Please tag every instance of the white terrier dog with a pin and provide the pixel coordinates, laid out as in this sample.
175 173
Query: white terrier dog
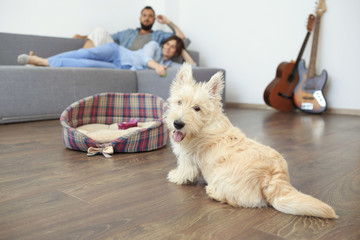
238 171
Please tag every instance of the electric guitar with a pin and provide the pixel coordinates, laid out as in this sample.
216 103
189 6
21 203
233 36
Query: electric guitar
279 92
308 95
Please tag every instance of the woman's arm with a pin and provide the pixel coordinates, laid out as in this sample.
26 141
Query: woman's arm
159 69
152 54
187 58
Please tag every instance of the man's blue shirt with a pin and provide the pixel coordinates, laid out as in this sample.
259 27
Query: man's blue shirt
126 38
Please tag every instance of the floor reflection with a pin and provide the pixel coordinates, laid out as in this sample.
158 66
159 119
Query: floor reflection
296 126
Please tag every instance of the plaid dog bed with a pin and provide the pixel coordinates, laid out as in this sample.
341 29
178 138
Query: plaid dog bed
109 108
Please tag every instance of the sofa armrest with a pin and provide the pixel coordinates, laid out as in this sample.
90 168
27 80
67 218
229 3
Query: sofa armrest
150 82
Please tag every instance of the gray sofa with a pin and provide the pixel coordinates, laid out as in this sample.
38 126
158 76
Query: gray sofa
30 93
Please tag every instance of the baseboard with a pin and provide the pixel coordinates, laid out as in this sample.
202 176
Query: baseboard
28 118
355 112
340 111
248 106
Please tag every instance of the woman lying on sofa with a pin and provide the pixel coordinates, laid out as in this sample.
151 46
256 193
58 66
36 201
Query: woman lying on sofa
114 56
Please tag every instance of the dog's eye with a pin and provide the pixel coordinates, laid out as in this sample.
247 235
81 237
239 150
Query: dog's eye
197 108
179 102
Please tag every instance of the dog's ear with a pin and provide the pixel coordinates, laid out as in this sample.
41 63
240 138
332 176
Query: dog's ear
184 75
216 84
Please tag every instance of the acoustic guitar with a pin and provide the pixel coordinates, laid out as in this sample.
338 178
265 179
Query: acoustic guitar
279 93
308 94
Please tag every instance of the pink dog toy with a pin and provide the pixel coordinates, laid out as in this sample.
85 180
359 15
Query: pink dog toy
125 125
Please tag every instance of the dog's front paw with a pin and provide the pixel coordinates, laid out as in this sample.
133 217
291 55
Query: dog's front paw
175 176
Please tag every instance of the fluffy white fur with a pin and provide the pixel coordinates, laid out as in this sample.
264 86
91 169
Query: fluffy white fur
238 170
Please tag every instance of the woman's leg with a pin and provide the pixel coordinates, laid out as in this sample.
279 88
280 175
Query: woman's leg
108 53
79 62
103 56
32 59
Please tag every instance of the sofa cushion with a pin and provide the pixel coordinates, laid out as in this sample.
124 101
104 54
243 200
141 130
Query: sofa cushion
32 93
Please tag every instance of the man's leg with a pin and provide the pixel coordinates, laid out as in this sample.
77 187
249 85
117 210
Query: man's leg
88 44
97 37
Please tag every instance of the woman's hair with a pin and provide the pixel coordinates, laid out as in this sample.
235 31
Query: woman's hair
179 44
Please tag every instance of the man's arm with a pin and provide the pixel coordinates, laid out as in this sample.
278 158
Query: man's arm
164 20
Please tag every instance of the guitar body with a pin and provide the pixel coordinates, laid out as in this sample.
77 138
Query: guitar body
308 94
282 87
279 93
269 88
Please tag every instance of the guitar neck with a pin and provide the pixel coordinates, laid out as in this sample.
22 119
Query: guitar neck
312 65
302 49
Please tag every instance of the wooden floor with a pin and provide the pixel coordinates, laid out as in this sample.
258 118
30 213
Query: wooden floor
49 192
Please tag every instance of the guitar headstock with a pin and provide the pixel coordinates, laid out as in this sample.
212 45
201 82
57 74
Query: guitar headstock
320 8
311 21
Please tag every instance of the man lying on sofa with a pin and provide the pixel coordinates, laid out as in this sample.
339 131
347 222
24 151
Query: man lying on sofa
135 39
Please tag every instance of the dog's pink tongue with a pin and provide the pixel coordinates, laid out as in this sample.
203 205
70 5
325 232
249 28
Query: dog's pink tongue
178 136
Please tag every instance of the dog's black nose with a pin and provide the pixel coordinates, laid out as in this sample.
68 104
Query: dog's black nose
178 124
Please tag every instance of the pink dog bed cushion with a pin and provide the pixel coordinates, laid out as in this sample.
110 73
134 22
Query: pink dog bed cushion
116 108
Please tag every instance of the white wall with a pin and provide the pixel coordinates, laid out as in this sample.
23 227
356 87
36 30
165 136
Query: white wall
64 18
247 38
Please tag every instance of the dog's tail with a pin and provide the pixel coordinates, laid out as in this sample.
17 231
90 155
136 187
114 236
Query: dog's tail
285 198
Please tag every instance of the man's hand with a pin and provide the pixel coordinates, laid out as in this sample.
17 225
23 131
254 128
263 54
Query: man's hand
162 19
